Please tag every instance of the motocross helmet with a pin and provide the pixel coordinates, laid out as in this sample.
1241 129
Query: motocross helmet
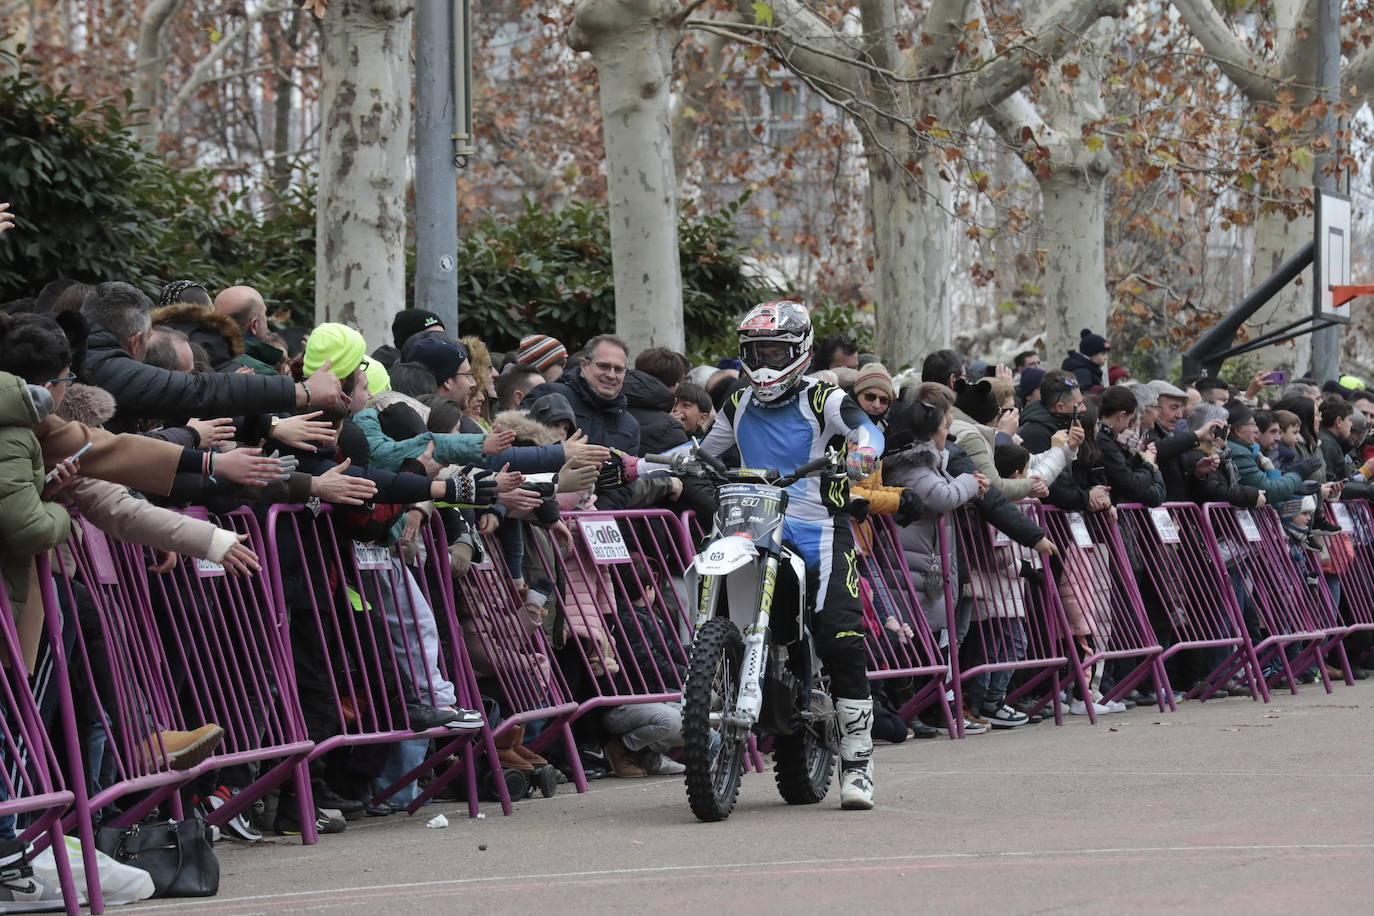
775 347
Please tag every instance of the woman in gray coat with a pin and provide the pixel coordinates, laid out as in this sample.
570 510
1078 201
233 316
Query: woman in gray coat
916 458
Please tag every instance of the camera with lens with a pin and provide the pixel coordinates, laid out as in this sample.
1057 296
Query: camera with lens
547 513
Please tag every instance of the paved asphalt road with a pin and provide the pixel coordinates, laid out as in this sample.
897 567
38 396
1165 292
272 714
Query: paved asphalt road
1227 807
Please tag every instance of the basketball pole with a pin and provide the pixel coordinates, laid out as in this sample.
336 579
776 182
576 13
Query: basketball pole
1326 342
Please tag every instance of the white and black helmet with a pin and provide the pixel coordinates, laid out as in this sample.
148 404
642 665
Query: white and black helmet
775 346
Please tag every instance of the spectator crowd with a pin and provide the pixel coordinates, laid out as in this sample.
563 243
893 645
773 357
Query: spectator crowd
125 411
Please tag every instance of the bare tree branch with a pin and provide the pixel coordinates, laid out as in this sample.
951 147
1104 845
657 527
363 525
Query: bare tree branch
1359 73
1053 34
813 46
204 68
1211 31
148 66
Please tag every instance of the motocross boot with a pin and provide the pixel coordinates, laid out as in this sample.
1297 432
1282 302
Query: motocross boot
856 753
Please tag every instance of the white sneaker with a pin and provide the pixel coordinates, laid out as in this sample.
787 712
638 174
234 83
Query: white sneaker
1114 706
1003 716
1079 708
656 764
856 788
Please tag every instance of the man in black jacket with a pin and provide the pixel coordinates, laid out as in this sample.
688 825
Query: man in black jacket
1172 443
1334 437
594 389
649 388
1061 401
119 317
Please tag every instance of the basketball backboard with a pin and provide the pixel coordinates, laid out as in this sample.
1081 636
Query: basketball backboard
1331 255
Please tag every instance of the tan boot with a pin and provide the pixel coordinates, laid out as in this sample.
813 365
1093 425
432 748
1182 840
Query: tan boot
179 750
506 753
624 762
525 753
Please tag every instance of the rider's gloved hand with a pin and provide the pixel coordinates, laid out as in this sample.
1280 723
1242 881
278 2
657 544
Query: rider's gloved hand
861 462
612 473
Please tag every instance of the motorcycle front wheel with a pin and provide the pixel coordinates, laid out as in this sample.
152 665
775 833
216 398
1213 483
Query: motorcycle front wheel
713 756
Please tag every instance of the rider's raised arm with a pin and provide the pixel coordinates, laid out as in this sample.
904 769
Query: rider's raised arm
843 414
720 438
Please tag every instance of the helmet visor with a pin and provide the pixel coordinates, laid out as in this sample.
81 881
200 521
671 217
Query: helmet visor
768 354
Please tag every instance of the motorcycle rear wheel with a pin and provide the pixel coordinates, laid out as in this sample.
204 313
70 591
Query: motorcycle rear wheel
713 774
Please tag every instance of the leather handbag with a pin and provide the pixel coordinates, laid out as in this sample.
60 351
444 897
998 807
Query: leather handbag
177 854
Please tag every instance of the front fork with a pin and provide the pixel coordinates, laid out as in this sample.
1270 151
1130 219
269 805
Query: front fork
746 713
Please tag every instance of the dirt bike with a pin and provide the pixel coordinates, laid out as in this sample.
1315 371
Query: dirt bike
753 668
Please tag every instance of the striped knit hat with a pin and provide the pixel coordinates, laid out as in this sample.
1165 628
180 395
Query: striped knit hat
540 351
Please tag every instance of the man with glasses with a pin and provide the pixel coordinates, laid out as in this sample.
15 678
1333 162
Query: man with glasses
1061 402
594 389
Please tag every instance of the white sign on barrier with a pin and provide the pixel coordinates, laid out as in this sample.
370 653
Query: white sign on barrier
1341 513
1081 535
1164 525
370 556
999 538
1248 526
604 540
206 569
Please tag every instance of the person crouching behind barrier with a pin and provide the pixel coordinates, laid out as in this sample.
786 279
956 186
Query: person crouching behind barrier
643 734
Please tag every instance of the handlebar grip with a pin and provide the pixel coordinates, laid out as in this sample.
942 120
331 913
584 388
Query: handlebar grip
659 459
812 467
713 463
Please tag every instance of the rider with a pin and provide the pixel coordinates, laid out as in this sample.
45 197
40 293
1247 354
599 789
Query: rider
784 419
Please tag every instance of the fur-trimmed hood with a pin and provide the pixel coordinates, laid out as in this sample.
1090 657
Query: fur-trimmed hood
87 405
218 334
528 431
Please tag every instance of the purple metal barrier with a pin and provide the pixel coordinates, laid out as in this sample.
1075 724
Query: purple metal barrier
1014 623
1271 596
1350 558
508 646
165 652
619 655
892 653
1097 589
365 642
1186 592
32 790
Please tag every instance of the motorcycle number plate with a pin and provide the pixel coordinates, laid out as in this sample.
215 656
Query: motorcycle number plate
724 555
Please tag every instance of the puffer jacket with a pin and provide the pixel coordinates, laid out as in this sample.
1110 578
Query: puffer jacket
606 421
544 457
28 525
1336 456
145 392
1038 427
1132 479
650 402
1248 472
924 470
1221 485
1088 373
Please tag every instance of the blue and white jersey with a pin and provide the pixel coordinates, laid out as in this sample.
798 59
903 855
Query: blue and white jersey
788 435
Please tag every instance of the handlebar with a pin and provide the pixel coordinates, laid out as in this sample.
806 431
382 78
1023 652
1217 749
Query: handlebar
681 461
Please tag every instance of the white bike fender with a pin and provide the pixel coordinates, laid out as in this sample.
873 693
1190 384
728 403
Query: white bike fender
724 556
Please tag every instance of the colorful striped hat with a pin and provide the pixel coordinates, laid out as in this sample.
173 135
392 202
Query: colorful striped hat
540 351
